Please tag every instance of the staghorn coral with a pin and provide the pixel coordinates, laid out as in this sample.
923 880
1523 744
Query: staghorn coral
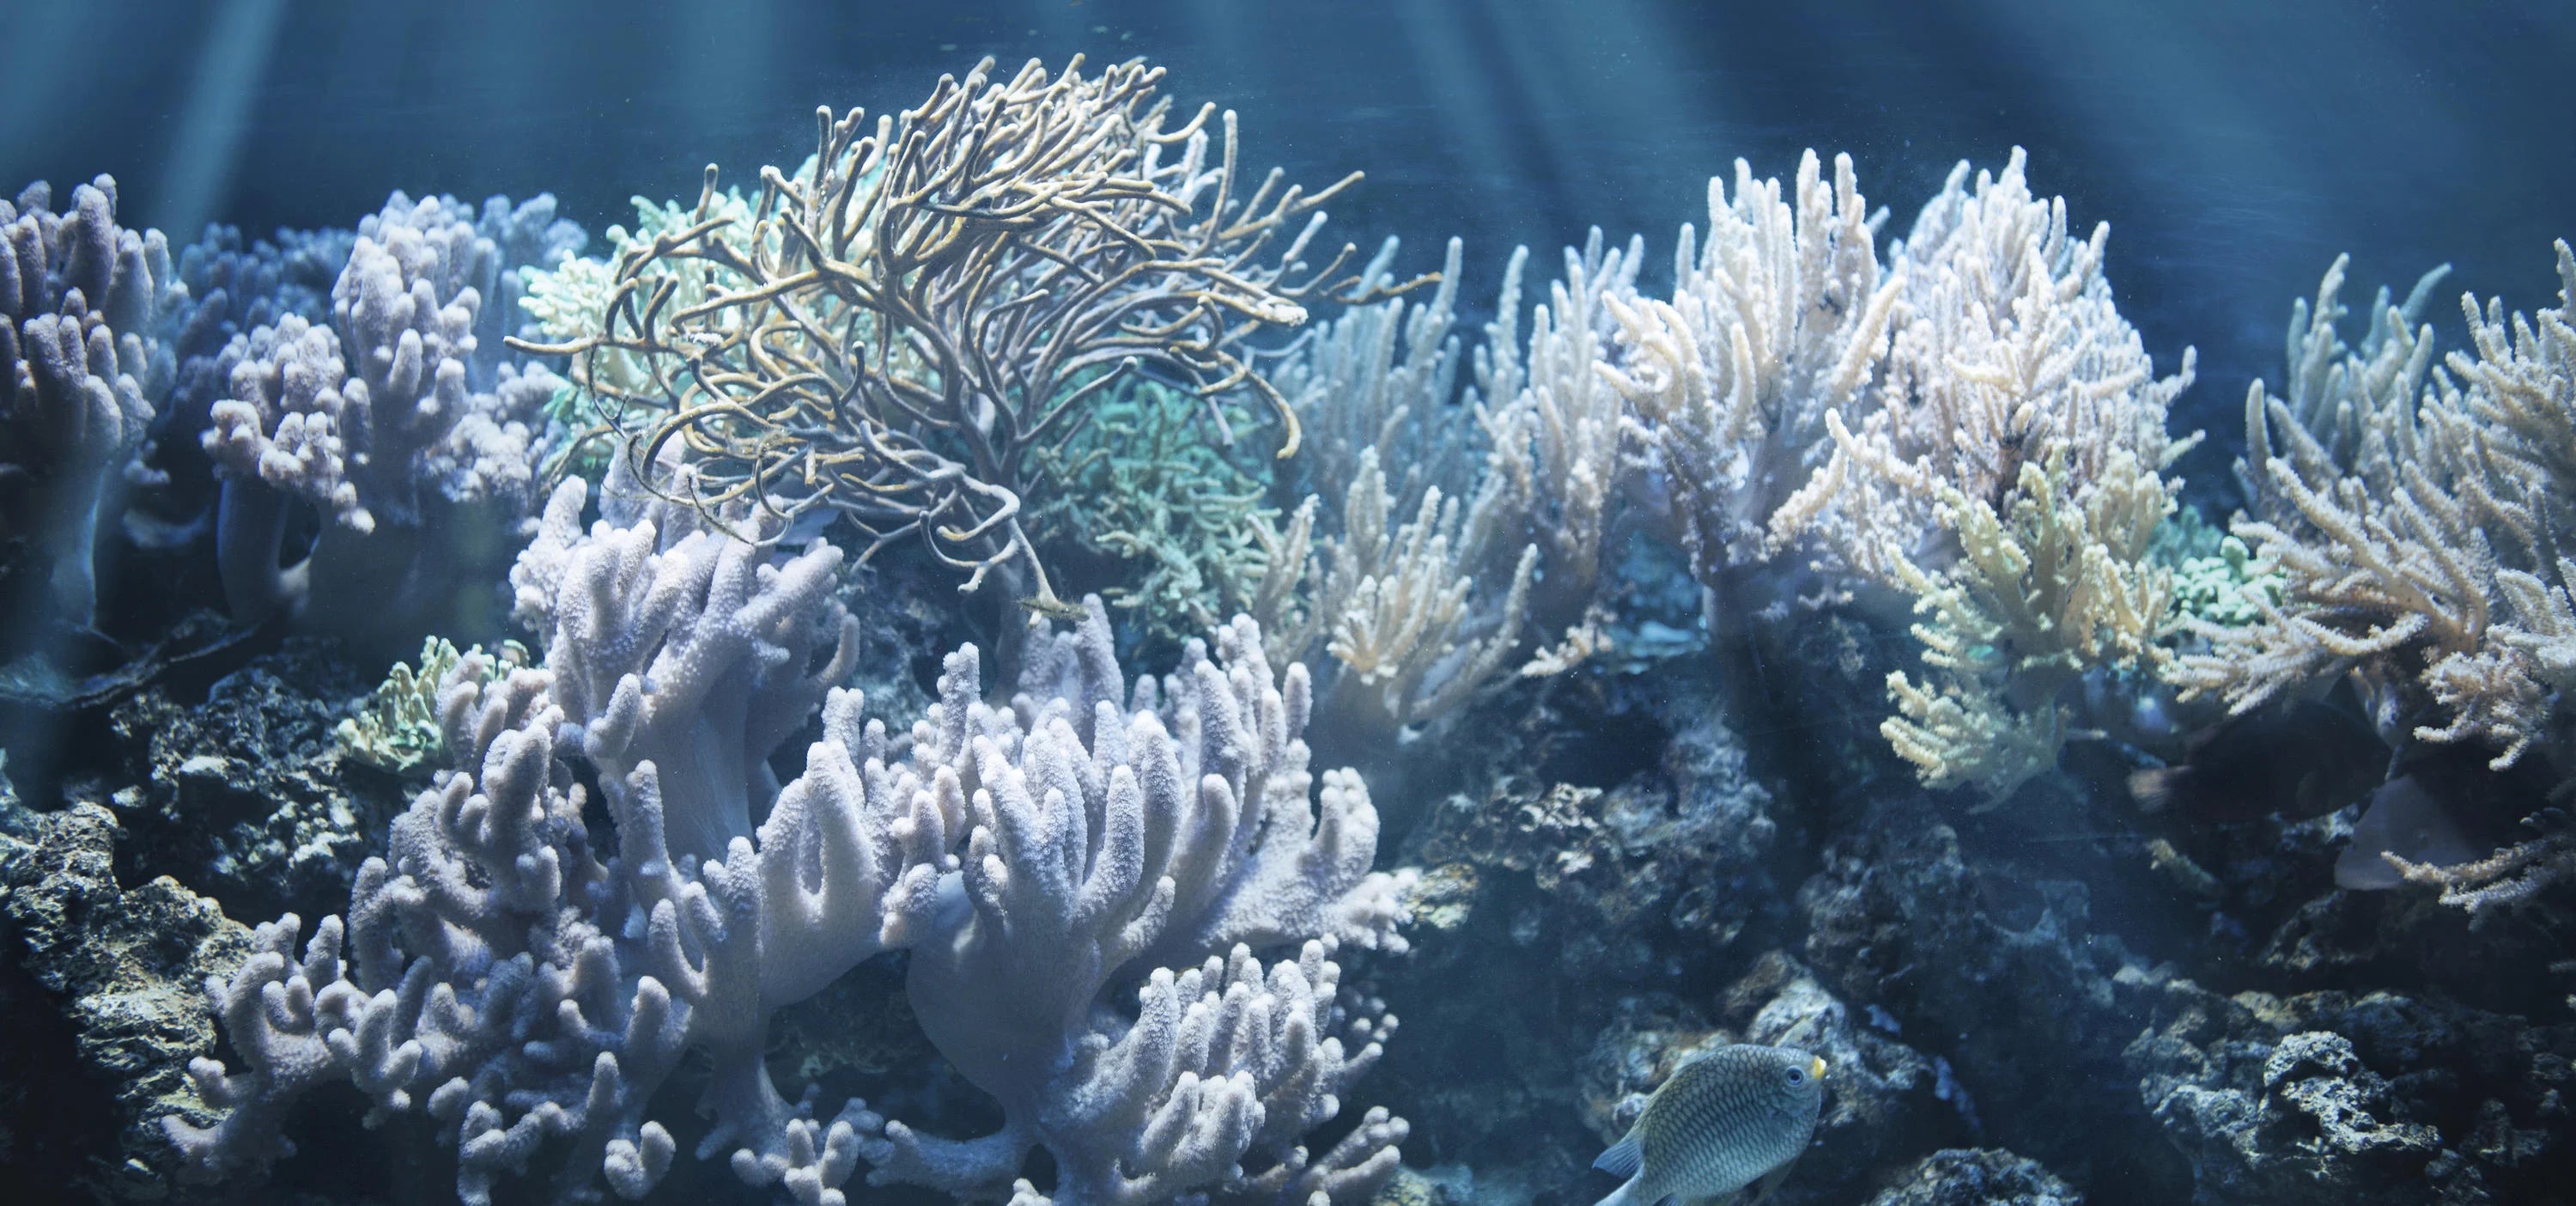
1397 607
924 305
1383 376
2006 469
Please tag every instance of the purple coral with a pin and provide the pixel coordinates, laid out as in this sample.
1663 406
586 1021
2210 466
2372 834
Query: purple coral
531 991
401 419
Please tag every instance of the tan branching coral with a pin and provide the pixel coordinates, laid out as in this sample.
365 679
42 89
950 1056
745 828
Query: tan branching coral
2005 344
1553 427
1383 377
2510 877
1779 319
931 298
1396 601
2418 527
2053 585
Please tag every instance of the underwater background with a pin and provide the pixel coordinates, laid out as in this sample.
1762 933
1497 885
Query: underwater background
986 661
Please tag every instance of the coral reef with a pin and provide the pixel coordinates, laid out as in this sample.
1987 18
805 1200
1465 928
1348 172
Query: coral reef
1623 671
927 303
401 419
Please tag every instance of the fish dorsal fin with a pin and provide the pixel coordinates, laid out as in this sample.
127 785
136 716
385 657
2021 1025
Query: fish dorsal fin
1624 1157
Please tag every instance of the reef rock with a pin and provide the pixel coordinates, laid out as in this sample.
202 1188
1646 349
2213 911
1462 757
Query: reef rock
247 796
2001 974
1979 1176
2358 1098
127 966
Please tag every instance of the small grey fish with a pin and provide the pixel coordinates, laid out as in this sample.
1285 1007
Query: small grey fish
1735 1116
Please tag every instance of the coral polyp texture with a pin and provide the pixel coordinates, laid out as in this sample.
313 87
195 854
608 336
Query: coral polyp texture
995 664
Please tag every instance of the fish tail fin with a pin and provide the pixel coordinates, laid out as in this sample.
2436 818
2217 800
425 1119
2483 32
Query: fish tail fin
2154 787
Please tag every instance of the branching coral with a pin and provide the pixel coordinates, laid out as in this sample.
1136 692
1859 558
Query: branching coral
2417 527
2007 472
397 728
2057 584
921 307
1146 485
1556 436
2005 344
1395 602
1777 321
81 300
398 419
1383 377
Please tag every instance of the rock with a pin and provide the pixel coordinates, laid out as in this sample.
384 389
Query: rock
127 967
2366 1098
2000 973
247 796
1976 1177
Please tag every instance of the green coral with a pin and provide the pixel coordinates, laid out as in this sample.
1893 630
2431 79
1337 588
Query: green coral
397 729
2230 587
1146 483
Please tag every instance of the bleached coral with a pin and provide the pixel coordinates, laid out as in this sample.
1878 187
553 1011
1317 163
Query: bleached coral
1382 377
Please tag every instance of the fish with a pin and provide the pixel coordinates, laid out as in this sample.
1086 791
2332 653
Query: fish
2405 819
2446 805
2297 760
1739 1115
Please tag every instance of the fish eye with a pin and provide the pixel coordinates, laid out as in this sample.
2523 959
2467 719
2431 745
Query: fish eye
1797 1076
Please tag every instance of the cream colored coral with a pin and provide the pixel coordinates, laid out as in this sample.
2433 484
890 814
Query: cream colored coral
1778 319
2006 342
2055 584
1556 440
1395 601
2415 526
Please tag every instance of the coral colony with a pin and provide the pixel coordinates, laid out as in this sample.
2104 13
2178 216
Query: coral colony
1038 360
